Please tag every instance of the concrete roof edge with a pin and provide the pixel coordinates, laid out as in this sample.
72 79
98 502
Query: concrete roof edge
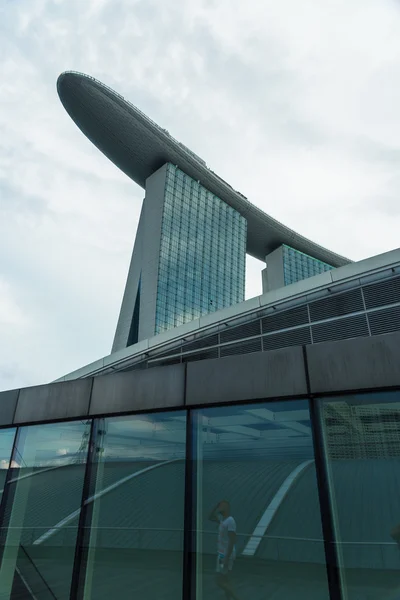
300 289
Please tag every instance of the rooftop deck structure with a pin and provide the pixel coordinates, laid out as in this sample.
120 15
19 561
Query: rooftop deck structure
139 147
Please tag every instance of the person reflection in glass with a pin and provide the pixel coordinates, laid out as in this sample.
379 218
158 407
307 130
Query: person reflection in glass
226 547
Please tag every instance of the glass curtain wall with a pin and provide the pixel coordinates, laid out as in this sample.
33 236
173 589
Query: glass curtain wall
298 266
202 253
256 529
362 447
133 542
6 443
40 510
257 516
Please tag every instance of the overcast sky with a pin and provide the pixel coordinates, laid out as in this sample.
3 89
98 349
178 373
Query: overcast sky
296 104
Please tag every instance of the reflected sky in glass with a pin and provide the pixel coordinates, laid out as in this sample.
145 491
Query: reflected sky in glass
52 444
279 429
362 444
147 437
6 442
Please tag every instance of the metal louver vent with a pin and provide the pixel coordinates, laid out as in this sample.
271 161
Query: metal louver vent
211 340
384 321
382 293
296 337
242 348
285 319
336 305
201 355
168 361
242 331
341 329
172 352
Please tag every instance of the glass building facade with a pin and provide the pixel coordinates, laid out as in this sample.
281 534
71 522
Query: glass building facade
298 266
202 253
125 506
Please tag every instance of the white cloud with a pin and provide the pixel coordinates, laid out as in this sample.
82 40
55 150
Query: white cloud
295 104
5 464
11 313
62 451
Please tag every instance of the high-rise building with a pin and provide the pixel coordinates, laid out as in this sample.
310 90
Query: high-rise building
194 230
188 259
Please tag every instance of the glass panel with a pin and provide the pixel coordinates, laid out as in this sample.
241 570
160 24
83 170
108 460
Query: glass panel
204 242
6 443
42 501
298 266
362 445
258 520
134 532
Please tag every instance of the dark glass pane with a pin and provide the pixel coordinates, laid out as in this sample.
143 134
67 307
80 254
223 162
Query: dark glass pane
6 443
362 445
258 520
134 530
42 504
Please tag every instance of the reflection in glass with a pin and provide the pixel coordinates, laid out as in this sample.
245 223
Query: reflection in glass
41 501
135 509
202 253
6 443
298 266
258 519
362 446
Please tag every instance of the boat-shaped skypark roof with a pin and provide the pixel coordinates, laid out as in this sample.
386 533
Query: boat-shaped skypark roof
139 147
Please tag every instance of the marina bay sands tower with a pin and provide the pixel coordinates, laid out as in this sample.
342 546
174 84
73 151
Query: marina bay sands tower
194 230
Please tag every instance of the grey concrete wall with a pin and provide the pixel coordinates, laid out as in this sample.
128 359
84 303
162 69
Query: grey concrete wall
344 366
252 376
130 292
8 405
355 364
272 276
43 403
139 390
144 264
